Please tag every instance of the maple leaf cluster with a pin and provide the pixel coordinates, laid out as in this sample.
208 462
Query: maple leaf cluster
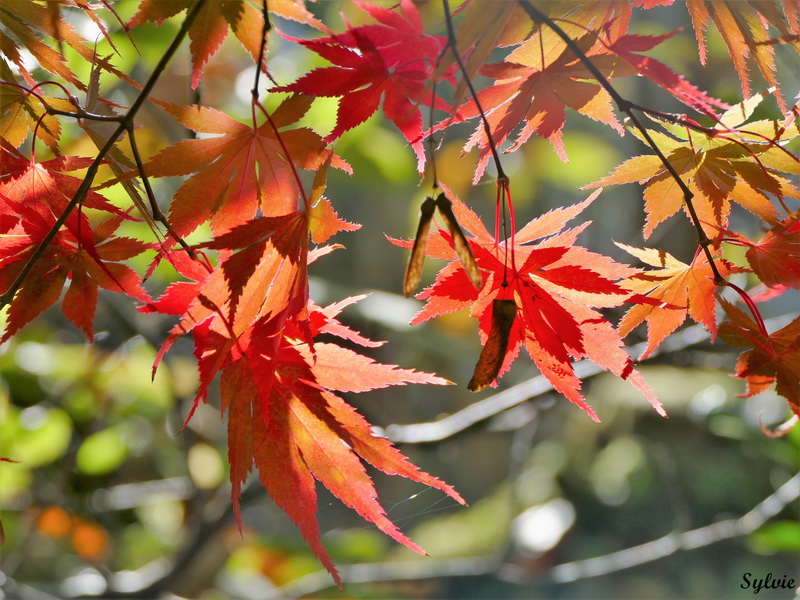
734 161
243 296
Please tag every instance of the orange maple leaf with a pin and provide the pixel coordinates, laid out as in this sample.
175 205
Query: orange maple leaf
745 28
736 162
284 419
240 171
685 290
21 111
535 88
31 23
210 27
543 76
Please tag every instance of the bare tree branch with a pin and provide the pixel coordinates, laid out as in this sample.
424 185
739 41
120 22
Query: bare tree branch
686 540
567 572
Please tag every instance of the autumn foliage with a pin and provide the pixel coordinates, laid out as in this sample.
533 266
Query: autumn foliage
243 295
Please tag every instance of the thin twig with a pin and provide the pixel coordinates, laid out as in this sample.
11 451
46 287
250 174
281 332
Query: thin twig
432 142
154 208
262 49
682 541
451 41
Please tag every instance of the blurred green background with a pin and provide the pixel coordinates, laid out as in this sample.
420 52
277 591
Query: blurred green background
109 494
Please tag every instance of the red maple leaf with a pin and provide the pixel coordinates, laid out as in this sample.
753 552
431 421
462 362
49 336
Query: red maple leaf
627 47
543 76
535 87
32 197
773 358
775 258
390 63
88 260
47 188
291 427
555 286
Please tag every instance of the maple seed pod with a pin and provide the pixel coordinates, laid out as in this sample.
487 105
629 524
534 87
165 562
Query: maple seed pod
414 268
460 242
494 352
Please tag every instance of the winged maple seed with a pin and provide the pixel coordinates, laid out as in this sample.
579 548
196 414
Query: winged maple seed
414 268
554 286
415 262
504 313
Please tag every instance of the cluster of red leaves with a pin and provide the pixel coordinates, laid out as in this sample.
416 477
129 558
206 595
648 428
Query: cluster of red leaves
541 77
391 61
555 286
253 325
32 197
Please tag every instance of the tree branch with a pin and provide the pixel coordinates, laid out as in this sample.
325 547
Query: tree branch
436 431
565 572
683 541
